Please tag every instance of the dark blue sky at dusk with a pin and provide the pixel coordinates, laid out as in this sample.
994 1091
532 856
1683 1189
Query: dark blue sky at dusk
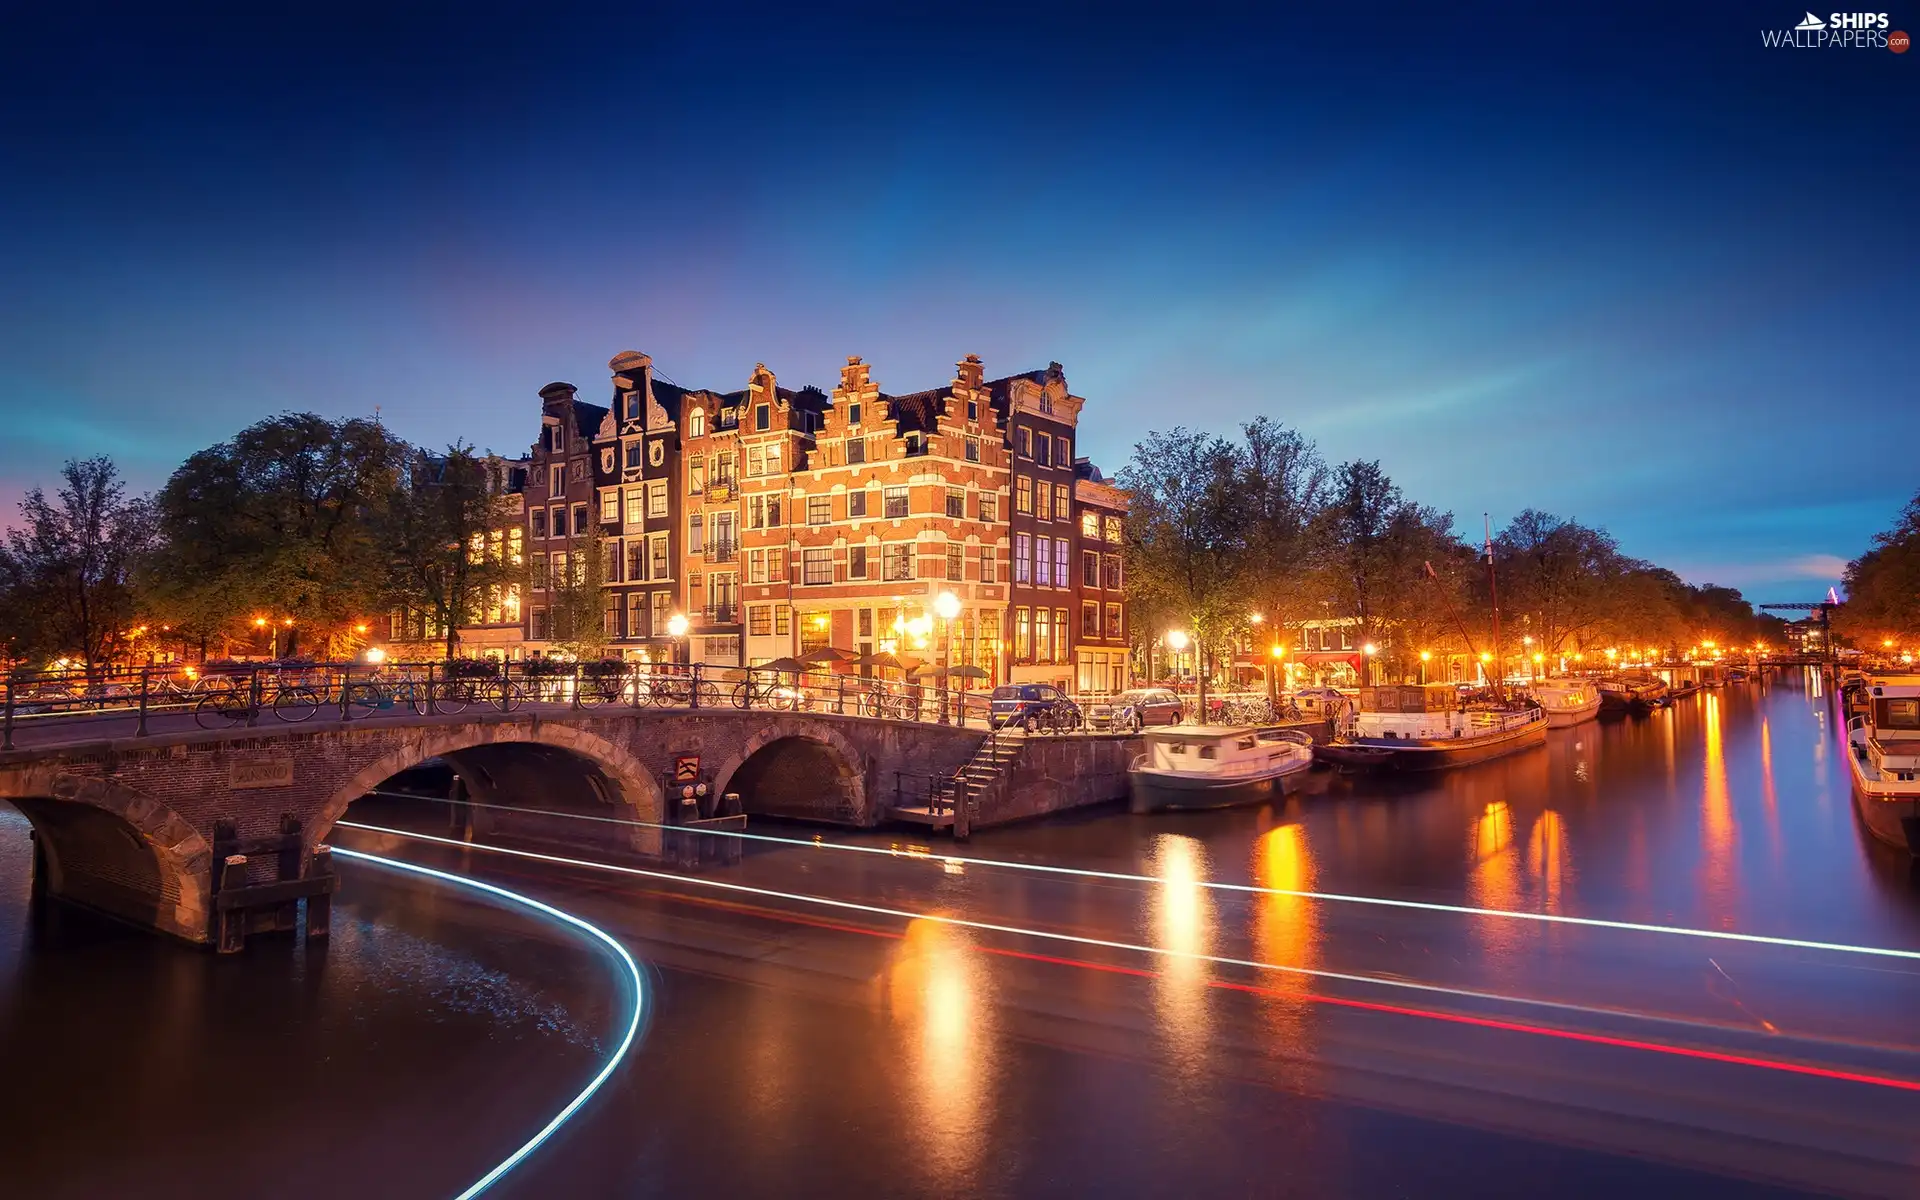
1620 262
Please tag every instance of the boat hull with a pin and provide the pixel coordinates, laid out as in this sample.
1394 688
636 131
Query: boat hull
1159 791
1566 718
1892 818
1380 755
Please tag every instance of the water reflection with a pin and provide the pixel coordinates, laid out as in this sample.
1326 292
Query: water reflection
943 1005
1493 879
1182 920
1718 882
1547 859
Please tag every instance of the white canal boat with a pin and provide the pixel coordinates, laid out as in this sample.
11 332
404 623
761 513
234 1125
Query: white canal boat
1212 766
1883 745
1425 728
1567 701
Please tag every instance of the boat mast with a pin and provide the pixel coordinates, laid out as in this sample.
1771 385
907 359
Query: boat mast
1451 611
1493 594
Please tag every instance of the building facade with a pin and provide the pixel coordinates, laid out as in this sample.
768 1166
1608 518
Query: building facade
1102 649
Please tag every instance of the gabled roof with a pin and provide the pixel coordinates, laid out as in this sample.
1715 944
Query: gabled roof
917 410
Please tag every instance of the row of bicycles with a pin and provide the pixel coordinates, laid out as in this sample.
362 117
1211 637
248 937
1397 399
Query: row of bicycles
1250 710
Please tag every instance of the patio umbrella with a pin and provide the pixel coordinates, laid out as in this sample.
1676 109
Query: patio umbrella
968 671
792 666
882 659
826 654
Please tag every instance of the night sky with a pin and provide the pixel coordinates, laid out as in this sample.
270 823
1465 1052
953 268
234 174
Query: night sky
1621 263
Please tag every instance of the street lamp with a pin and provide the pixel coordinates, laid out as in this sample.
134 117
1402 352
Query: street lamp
1426 656
947 606
1367 652
677 628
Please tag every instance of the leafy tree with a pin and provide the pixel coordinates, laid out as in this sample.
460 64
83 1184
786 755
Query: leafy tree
66 571
1557 578
577 596
443 563
283 520
1280 490
1883 585
1185 536
1372 549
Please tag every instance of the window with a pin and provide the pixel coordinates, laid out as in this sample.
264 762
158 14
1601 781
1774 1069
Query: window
782 620
610 506
723 470
760 620
657 498
816 566
1111 576
956 503
973 443
894 502
856 562
662 612
610 616
1062 503
1089 569
1022 634
537 624
560 522
539 522
697 474
1113 528
1060 560
1043 562
1043 450
762 418
856 504
610 559
637 616
516 544
853 413
973 414
898 561
636 506
1043 498
556 480
774 519
916 443
1042 637
956 561
724 540
1022 494
1062 452
1089 620
989 565
777 564
1023 442
1046 403
989 507
819 510
540 571
696 534
1023 558
756 566
633 455
1113 623
657 556
579 518
559 572
856 450
636 560
696 591
697 423
1060 647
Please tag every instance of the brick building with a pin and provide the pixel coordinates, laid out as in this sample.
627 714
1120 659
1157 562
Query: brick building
1101 650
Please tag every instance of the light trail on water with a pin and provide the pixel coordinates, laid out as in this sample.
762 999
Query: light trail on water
620 1052
1718 935
1219 960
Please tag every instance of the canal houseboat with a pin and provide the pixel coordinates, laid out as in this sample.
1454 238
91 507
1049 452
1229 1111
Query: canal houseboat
1621 693
1213 766
1883 745
1425 727
1566 701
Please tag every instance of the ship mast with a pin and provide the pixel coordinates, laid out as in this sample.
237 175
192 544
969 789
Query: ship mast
1493 594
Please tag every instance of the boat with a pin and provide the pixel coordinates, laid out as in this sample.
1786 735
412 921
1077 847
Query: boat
1883 746
1622 694
1425 727
1682 681
1566 701
1214 766
1737 675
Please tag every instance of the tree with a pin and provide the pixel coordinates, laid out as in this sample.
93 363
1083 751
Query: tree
1558 575
445 562
1883 585
577 596
1184 535
1372 547
65 572
283 521
1280 490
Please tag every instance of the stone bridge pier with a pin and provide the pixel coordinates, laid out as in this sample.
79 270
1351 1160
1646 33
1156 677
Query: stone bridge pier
143 829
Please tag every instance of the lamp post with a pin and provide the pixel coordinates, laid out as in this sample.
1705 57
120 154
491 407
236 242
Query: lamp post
1279 655
1367 652
947 605
1426 656
677 630
1533 659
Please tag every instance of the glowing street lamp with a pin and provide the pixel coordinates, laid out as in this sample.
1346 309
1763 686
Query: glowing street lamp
375 655
1177 640
677 629
1426 656
947 606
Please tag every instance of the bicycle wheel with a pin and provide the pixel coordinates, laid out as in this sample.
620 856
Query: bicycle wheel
295 704
709 694
221 710
452 696
501 694
743 695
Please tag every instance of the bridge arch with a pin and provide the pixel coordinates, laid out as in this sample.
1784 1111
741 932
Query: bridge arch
113 848
576 771
797 767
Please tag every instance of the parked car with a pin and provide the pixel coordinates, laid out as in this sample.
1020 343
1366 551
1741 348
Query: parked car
1131 710
1033 707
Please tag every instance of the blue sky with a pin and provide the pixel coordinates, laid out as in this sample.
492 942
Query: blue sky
1622 264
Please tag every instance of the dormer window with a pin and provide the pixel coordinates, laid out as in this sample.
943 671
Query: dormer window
1046 404
762 418
973 411
697 423
853 413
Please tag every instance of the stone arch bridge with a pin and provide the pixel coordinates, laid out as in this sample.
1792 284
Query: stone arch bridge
133 826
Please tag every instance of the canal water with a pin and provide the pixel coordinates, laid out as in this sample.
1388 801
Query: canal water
438 1030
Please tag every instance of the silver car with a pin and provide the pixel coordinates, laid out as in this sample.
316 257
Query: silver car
1130 711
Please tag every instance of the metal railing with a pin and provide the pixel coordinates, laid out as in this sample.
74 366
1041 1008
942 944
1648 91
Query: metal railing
249 695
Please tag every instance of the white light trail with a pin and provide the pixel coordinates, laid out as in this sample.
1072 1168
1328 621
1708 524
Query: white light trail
1718 935
620 1052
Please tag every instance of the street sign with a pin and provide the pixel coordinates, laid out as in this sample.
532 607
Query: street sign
686 768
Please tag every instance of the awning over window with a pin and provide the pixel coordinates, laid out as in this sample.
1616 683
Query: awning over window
1351 657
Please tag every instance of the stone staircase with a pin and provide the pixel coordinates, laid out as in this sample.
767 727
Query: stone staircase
988 764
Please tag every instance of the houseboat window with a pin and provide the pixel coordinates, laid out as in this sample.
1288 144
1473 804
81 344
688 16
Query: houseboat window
1901 714
1176 747
1209 752
1245 743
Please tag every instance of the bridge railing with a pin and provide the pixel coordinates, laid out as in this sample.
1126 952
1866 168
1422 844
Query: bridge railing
226 695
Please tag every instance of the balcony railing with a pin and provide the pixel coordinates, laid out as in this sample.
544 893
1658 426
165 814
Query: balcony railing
720 614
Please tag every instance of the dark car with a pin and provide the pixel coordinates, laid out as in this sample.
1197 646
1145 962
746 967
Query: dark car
1033 707
1132 710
